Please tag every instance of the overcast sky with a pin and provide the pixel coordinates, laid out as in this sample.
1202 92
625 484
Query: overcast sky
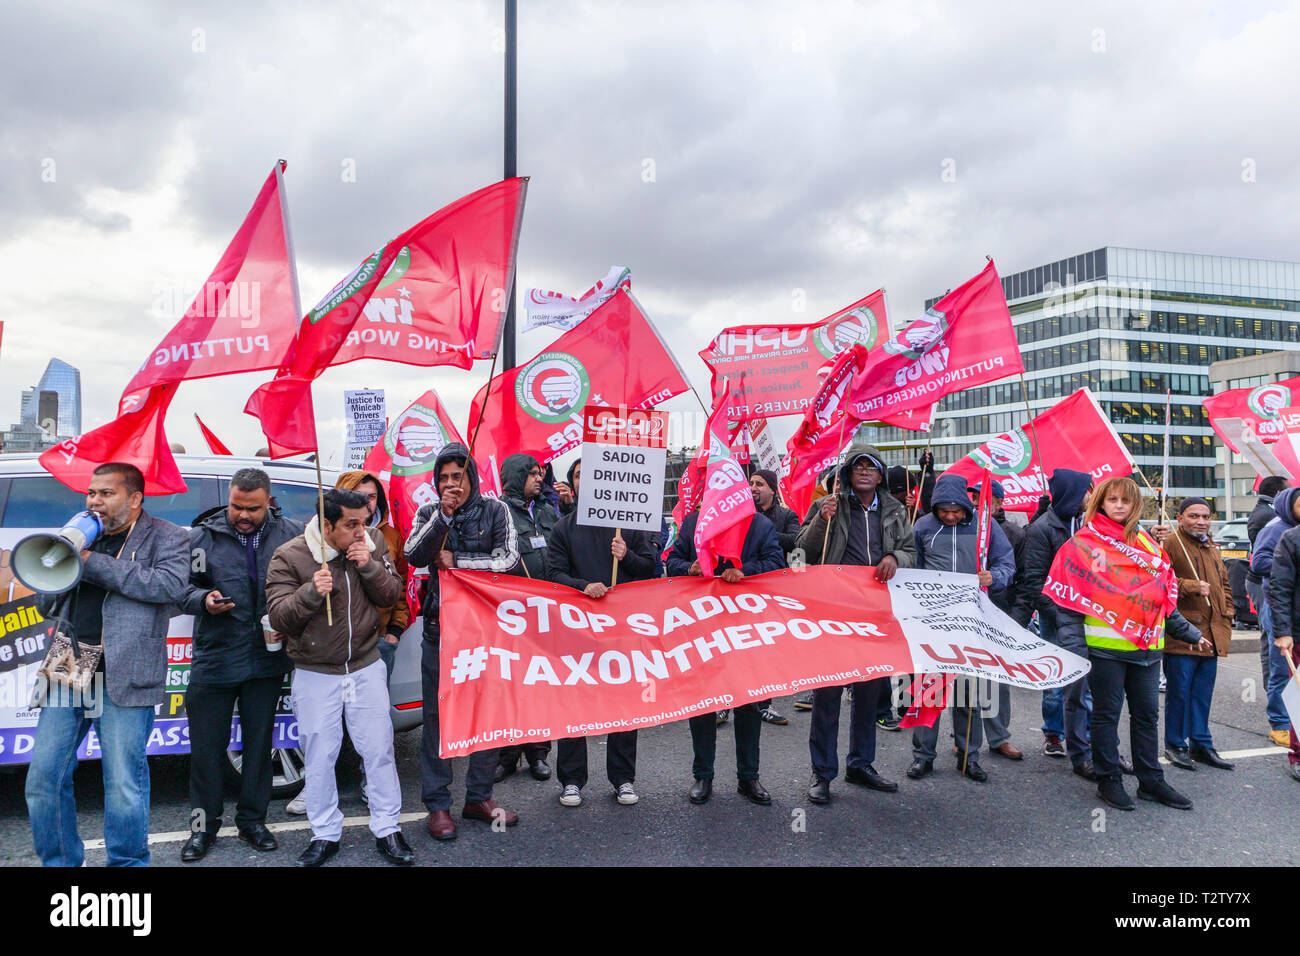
741 158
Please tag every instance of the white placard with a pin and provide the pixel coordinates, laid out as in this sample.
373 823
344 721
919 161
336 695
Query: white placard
365 413
624 453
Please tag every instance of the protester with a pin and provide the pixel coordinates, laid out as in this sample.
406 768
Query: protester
534 519
1046 534
761 552
1263 511
567 491
1121 668
903 486
1284 604
767 500
997 720
1205 599
854 525
1286 511
947 540
466 530
583 558
232 548
131 575
338 674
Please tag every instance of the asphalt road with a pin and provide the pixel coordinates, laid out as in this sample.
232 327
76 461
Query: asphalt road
1034 812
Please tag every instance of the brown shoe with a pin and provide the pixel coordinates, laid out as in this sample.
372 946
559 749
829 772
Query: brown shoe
488 811
1008 750
441 826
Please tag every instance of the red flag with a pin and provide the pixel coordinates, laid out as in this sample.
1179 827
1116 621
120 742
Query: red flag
404 457
457 256
798 475
1287 449
134 437
929 693
613 357
1257 407
984 526
963 340
214 443
727 505
246 313
1074 433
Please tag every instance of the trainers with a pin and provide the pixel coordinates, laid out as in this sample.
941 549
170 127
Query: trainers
772 717
888 722
626 795
1111 790
1163 793
723 715
803 701
297 806
1281 738
1052 746
1163 683
570 796
365 797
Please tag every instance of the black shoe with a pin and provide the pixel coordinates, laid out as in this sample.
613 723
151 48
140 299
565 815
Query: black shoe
394 849
259 837
317 852
1126 767
867 777
973 770
804 701
1179 757
540 770
197 846
920 768
771 716
504 770
723 716
753 791
701 790
888 722
1210 756
1163 793
819 790
1086 770
1111 790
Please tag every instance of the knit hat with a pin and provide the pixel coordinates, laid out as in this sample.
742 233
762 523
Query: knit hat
1188 502
997 489
769 477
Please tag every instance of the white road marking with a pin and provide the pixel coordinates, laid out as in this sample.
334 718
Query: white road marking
178 836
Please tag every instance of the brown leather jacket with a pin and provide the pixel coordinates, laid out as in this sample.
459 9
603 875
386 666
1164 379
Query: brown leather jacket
1213 620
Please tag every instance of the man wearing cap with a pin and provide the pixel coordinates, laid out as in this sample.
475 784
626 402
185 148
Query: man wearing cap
767 501
1205 599
853 525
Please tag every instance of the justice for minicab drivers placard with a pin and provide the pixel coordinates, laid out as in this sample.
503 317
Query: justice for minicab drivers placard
624 452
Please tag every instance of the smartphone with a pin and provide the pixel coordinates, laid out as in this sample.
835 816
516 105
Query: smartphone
223 601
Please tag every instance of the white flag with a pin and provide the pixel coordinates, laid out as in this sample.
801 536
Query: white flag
545 307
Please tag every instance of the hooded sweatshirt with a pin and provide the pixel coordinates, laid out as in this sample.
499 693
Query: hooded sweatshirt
533 519
396 619
479 534
1045 536
1261 561
943 548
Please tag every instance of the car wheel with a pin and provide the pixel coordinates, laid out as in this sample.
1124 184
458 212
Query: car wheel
287 768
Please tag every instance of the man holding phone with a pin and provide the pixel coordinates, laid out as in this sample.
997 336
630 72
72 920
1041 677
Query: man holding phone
230 549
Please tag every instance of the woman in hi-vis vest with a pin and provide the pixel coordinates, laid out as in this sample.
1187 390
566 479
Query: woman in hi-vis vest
1113 582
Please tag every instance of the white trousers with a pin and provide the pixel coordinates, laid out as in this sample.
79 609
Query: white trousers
321 702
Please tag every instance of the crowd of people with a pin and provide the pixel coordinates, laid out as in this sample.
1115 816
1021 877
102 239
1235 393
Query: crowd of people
334 592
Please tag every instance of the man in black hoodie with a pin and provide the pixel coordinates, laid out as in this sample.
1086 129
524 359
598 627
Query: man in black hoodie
582 557
463 530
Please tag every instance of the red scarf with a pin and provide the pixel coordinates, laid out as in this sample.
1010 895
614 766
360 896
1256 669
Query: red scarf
1099 574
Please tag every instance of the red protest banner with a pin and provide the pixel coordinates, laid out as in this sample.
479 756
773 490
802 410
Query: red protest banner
1074 433
530 660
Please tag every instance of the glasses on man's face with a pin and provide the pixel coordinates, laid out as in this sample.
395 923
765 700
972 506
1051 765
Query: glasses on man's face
862 468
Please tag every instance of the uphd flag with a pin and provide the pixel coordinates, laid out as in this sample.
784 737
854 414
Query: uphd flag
822 434
614 357
963 340
1257 407
1074 433
546 307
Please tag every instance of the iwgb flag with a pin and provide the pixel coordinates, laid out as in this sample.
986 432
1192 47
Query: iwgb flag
963 340
823 433
1258 408
727 505
546 307
1074 433
614 357
404 457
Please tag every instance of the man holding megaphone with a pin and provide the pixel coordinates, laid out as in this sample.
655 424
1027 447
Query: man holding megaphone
131 574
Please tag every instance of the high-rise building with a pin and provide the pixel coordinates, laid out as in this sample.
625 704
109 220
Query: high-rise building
61 382
1130 324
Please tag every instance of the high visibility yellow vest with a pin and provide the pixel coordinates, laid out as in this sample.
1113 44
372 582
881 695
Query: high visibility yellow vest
1097 633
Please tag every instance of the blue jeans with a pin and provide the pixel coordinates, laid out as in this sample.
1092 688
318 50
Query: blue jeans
1276 673
123 734
1188 695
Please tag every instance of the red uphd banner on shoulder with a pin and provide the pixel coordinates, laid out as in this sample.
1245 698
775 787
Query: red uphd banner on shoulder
530 660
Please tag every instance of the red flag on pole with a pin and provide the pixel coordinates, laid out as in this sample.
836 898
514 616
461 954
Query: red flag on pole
929 693
984 527
727 506
404 457
134 437
214 443
1258 407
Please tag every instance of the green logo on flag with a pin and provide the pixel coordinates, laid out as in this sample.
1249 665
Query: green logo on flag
1267 401
855 327
415 440
552 387
1008 454
346 289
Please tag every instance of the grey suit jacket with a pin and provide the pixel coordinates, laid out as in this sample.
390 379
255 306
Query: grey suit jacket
144 582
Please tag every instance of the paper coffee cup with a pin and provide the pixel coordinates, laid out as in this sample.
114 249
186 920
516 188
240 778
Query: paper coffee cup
273 642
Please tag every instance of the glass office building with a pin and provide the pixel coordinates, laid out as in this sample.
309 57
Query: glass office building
1128 324
62 378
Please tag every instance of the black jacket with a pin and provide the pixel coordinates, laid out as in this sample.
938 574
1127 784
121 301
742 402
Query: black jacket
1260 515
578 554
229 648
761 551
480 535
1043 540
1283 599
786 523
1017 535
514 475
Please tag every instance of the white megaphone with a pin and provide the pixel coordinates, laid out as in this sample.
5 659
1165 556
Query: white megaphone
51 563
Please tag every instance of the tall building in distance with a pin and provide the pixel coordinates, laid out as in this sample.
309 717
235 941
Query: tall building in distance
1129 324
61 405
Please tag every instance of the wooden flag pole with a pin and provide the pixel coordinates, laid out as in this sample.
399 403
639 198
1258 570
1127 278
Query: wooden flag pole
1035 458
483 408
920 481
1173 532
320 512
826 538
613 577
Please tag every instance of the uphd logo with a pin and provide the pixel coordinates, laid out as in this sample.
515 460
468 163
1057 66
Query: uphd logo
76 909
1267 401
